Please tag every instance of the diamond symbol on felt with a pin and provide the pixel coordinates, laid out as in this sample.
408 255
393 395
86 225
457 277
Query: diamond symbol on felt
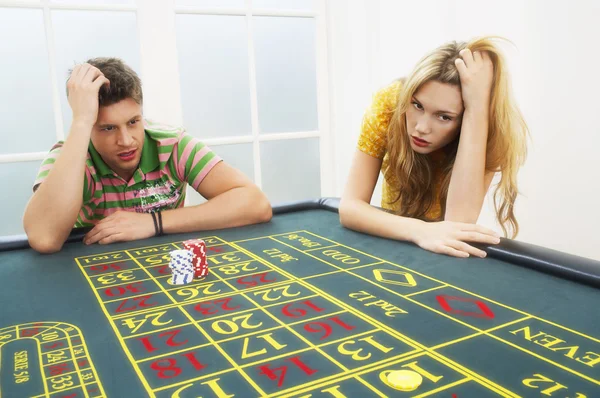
481 309
401 278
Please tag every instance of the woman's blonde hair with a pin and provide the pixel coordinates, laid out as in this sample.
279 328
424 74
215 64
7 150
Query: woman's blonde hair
506 143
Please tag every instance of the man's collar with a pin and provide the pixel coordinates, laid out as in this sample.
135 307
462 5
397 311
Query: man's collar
148 161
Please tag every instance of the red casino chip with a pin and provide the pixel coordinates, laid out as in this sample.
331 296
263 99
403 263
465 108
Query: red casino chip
200 269
198 247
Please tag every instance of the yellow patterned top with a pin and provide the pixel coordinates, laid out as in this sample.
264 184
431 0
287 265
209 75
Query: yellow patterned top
373 142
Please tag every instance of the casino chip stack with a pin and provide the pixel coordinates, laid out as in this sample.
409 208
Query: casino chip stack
198 248
404 380
182 268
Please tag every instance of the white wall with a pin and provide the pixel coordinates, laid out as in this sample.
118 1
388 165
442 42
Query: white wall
554 65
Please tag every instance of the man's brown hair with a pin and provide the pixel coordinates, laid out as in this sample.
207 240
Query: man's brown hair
124 82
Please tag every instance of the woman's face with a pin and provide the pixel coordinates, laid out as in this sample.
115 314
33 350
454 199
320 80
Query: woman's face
434 116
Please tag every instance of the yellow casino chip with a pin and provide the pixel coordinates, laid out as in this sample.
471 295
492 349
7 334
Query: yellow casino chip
404 380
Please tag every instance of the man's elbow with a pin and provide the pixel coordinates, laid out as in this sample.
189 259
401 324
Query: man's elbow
263 212
45 245
267 214
39 240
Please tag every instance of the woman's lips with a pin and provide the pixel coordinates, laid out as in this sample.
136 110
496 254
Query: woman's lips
420 142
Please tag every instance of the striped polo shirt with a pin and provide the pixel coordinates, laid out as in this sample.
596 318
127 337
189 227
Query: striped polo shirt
170 159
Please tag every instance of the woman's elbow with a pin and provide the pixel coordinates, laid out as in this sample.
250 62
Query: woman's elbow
461 218
345 212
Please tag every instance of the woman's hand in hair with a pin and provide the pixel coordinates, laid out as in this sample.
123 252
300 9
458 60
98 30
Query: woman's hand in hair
448 237
476 72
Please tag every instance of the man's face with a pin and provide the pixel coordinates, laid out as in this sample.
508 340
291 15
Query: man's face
118 136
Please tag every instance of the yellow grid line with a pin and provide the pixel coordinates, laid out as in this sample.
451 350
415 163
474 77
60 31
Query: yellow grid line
445 387
403 338
260 237
479 330
41 360
161 250
70 349
192 286
348 373
404 356
287 326
456 320
290 329
60 326
204 298
588 378
207 320
174 244
337 271
356 373
482 333
82 386
117 332
237 337
293 279
190 381
319 248
392 291
425 291
361 371
448 284
219 348
106 314
143 267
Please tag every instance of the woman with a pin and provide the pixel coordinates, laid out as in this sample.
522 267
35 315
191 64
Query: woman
438 137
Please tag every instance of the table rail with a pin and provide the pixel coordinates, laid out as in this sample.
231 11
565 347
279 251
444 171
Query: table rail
554 262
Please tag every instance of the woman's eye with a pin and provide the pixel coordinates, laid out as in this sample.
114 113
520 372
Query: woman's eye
445 118
417 105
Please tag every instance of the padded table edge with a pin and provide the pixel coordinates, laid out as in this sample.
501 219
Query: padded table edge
528 255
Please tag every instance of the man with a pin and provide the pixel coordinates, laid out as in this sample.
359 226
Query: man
132 173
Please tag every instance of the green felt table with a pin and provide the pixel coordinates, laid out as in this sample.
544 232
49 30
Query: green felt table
299 307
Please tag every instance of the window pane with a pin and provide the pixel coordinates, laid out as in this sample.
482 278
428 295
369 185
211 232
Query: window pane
239 156
80 35
291 169
19 177
212 3
213 63
285 4
95 2
286 74
26 101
